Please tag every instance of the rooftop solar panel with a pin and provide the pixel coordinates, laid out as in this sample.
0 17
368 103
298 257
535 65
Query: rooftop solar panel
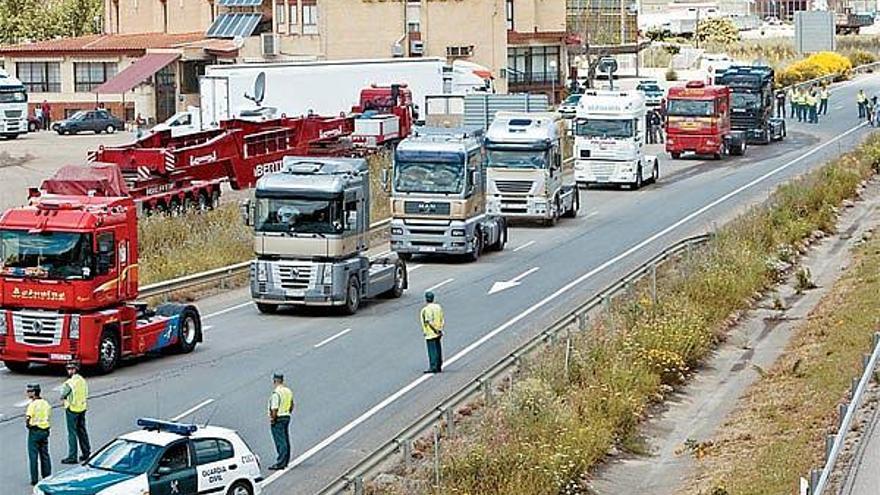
231 25
241 3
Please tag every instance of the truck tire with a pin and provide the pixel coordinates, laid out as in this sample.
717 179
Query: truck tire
550 222
502 238
17 366
108 352
190 331
267 309
400 281
655 172
188 204
635 186
215 199
203 201
352 296
675 155
575 204
478 246
405 256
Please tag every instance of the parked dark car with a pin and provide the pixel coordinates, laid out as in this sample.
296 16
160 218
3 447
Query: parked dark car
97 121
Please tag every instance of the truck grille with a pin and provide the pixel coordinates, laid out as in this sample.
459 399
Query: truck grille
602 171
513 186
743 122
426 208
38 328
294 277
13 114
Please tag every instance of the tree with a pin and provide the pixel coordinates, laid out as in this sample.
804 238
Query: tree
720 30
34 20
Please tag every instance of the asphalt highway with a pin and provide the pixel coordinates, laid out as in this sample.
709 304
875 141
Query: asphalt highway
358 380
863 475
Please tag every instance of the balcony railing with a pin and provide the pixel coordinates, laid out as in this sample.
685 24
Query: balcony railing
530 78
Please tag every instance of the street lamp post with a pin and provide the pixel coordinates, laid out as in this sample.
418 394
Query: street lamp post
553 67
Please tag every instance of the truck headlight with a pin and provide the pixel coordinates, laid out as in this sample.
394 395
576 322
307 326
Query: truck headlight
458 232
262 272
74 327
396 231
327 276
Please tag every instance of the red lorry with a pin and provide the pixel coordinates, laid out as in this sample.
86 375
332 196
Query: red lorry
69 279
165 173
698 121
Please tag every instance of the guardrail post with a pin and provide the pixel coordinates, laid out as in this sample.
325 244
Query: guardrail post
654 283
854 385
450 421
437 456
841 413
487 392
814 480
406 451
876 340
582 320
359 485
567 359
829 444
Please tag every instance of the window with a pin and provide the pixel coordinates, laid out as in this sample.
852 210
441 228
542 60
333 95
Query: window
89 75
351 208
509 12
533 65
175 457
310 16
293 17
189 79
413 16
280 9
106 240
459 51
40 77
210 450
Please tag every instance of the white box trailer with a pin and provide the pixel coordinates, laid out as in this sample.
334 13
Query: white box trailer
326 87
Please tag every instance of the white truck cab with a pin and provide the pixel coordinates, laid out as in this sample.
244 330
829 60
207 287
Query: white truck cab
529 176
13 107
610 133
181 123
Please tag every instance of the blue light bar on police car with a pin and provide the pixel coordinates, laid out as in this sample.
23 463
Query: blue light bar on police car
168 426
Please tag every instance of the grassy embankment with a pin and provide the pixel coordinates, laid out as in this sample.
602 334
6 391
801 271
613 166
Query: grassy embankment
553 426
777 433
172 247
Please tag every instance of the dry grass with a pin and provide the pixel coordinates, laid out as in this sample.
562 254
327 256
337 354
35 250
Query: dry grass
777 433
555 424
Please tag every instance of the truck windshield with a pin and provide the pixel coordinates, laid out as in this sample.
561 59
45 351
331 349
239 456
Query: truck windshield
13 96
517 159
127 457
53 255
429 177
303 216
691 108
749 101
604 128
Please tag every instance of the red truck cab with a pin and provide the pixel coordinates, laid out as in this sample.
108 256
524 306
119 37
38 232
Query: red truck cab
698 121
68 276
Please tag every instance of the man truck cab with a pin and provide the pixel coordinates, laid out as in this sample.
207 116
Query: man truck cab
610 137
438 203
529 176
13 107
698 121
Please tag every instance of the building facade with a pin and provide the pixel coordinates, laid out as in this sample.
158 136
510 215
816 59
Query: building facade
520 41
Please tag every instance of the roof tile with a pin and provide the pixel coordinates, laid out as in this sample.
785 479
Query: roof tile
106 43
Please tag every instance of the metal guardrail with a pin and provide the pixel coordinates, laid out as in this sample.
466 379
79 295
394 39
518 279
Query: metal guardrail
818 482
353 479
217 275
831 77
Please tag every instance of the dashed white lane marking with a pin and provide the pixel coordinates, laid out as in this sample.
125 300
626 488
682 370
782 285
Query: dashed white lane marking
227 310
523 246
331 338
441 284
192 409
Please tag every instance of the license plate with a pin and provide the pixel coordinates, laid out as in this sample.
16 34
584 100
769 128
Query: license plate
60 357
428 249
296 293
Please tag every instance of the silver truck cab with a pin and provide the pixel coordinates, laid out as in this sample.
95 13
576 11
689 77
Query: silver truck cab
310 237
439 196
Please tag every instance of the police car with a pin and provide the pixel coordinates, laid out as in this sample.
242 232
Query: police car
163 458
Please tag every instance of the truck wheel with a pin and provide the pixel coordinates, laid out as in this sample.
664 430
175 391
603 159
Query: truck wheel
267 309
655 172
549 222
190 330
675 155
635 186
203 201
478 246
215 199
399 281
108 352
17 366
575 204
405 256
188 204
174 207
352 297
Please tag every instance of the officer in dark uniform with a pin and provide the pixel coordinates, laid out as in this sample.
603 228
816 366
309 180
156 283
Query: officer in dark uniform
38 419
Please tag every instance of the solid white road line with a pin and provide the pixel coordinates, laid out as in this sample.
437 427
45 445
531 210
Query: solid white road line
192 409
467 350
441 284
207 327
413 268
331 339
523 246
227 310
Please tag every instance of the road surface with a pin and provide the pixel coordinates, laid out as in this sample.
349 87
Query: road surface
358 380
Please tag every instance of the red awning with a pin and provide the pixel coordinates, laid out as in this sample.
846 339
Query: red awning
136 73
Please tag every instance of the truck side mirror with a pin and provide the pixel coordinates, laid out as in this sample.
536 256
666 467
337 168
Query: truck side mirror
384 178
245 208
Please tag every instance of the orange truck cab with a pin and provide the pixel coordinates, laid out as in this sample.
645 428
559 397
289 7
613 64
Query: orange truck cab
698 121
68 279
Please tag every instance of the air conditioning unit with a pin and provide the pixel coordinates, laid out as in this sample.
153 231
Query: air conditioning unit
269 44
416 47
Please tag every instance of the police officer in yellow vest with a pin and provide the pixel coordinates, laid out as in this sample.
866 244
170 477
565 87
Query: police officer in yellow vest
280 407
38 419
432 327
75 395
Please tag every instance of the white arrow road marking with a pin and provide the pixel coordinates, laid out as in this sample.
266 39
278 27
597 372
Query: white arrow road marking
331 339
192 409
500 286
524 246
441 284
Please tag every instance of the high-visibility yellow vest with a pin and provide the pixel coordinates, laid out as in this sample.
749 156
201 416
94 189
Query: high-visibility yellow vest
285 400
824 94
79 394
432 320
861 98
39 413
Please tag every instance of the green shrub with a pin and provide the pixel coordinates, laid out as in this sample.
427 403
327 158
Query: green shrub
861 57
671 75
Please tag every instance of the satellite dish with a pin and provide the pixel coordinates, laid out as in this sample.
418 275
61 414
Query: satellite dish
259 89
